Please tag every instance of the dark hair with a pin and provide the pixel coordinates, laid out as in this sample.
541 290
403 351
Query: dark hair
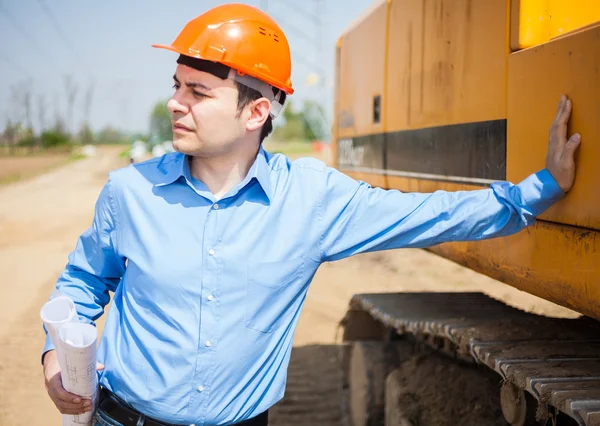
247 95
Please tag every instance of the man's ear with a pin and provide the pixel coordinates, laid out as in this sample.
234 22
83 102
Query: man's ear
259 112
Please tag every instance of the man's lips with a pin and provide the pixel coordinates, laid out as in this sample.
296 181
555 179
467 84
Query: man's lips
180 127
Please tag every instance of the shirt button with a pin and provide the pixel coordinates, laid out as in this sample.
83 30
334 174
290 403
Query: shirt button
211 252
200 388
210 297
207 343
215 206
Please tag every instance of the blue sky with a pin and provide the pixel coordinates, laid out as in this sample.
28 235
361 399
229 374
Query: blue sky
106 45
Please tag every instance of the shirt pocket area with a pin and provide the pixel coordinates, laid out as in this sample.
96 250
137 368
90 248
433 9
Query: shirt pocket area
273 289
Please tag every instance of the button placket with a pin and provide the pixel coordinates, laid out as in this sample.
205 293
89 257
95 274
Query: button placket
203 377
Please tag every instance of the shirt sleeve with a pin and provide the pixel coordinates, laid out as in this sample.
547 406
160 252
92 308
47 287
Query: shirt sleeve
94 268
357 218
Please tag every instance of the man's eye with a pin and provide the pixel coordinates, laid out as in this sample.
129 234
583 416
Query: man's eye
200 95
176 86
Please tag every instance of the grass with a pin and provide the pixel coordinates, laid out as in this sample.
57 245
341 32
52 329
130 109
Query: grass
292 148
27 170
11 178
75 156
124 153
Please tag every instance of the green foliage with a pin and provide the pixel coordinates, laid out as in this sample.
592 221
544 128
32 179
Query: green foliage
110 135
55 138
27 138
313 125
301 125
140 137
85 136
160 122
76 156
125 153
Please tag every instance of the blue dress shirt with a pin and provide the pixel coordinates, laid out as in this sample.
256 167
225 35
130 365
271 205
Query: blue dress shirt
207 293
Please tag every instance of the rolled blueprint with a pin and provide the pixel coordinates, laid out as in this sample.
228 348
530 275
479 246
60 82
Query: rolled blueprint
75 345
56 313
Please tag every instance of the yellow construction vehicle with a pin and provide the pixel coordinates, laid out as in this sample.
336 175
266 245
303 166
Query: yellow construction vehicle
454 95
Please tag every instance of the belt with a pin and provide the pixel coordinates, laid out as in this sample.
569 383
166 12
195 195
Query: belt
115 408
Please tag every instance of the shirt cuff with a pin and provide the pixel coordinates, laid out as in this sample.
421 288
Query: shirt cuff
540 191
48 346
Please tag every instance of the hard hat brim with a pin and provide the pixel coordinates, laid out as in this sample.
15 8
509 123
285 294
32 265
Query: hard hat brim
172 49
287 89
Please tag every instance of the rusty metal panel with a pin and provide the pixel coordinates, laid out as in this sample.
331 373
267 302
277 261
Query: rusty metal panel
534 22
537 78
446 62
556 262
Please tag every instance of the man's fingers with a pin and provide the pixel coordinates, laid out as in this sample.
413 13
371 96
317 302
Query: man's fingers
60 393
559 109
566 113
63 405
573 143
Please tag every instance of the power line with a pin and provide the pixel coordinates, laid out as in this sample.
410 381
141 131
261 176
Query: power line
311 65
62 35
308 15
12 64
24 33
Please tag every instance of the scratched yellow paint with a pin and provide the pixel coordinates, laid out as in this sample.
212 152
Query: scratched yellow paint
447 62
555 262
360 74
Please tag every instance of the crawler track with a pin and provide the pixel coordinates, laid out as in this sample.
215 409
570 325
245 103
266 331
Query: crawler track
557 361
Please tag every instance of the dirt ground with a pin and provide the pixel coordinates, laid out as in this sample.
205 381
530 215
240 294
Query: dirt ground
423 383
40 220
17 167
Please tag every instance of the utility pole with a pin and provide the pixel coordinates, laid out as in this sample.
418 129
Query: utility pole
315 61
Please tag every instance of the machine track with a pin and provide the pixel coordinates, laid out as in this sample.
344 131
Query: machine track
550 368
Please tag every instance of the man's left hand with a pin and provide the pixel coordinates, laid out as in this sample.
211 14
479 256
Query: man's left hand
560 160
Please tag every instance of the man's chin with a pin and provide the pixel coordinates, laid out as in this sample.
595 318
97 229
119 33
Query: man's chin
184 144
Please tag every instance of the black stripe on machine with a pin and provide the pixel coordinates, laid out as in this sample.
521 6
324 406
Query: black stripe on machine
469 152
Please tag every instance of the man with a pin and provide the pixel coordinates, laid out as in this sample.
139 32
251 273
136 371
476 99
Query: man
210 250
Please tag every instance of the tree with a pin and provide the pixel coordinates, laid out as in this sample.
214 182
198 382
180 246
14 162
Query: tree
110 135
71 93
85 135
293 128
41 114
88 136
160 122
306 125
313 121
10 134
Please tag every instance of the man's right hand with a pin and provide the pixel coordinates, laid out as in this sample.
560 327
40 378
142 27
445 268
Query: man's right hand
67 403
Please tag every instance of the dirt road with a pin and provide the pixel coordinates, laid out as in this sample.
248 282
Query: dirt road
40 220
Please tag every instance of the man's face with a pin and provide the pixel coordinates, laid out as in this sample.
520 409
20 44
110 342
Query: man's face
204 113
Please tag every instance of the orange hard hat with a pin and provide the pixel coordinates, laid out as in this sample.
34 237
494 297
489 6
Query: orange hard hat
241 37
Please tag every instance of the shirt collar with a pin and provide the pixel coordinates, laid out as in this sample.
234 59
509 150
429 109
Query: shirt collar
173 168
